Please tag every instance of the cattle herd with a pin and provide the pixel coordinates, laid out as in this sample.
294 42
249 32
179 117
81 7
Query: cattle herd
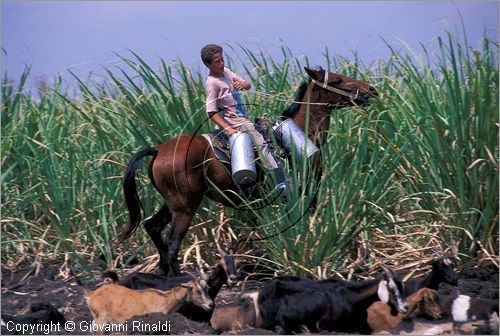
285 304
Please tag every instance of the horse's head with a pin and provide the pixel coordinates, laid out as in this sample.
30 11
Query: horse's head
339 90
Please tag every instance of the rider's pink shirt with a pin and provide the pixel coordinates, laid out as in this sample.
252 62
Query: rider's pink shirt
223 98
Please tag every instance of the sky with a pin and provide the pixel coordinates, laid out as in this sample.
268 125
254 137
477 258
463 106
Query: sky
54 36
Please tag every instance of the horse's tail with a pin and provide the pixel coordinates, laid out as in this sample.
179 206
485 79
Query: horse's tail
132 200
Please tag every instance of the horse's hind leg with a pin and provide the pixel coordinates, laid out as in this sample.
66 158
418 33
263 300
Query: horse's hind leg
180 225
154 227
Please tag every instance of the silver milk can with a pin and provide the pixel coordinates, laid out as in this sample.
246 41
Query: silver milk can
293 138
242 158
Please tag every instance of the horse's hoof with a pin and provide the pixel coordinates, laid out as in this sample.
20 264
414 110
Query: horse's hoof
172 274
160 272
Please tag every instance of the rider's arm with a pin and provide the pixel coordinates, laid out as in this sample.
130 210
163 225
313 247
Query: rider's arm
221 122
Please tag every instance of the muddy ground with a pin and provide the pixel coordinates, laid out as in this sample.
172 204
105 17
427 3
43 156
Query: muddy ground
18 294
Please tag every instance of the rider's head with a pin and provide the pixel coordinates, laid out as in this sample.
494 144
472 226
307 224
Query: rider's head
208 53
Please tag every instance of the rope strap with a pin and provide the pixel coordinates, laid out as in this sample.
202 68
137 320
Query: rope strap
257 93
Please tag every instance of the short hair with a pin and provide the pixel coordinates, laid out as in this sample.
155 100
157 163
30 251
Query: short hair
208 52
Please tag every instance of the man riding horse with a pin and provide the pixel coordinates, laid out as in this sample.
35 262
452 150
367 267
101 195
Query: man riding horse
226 108
185 169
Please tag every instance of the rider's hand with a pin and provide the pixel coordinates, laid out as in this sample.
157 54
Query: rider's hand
237 85
241 85
230 131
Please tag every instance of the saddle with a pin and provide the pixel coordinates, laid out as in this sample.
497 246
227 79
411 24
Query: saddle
219 145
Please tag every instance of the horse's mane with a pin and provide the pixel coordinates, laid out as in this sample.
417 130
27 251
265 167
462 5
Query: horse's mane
294 107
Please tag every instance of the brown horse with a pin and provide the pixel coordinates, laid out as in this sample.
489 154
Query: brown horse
184 169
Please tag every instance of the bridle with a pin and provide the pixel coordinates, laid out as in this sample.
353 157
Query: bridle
325 86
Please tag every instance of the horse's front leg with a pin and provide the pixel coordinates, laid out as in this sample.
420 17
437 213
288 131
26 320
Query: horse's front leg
180 225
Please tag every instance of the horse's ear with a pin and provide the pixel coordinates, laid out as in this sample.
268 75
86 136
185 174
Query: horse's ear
316 74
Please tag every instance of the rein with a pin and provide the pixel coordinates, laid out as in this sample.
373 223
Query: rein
287 100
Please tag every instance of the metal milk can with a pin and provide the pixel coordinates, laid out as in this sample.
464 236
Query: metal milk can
242 158
292 137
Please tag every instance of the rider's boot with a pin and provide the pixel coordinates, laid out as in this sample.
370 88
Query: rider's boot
280 179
